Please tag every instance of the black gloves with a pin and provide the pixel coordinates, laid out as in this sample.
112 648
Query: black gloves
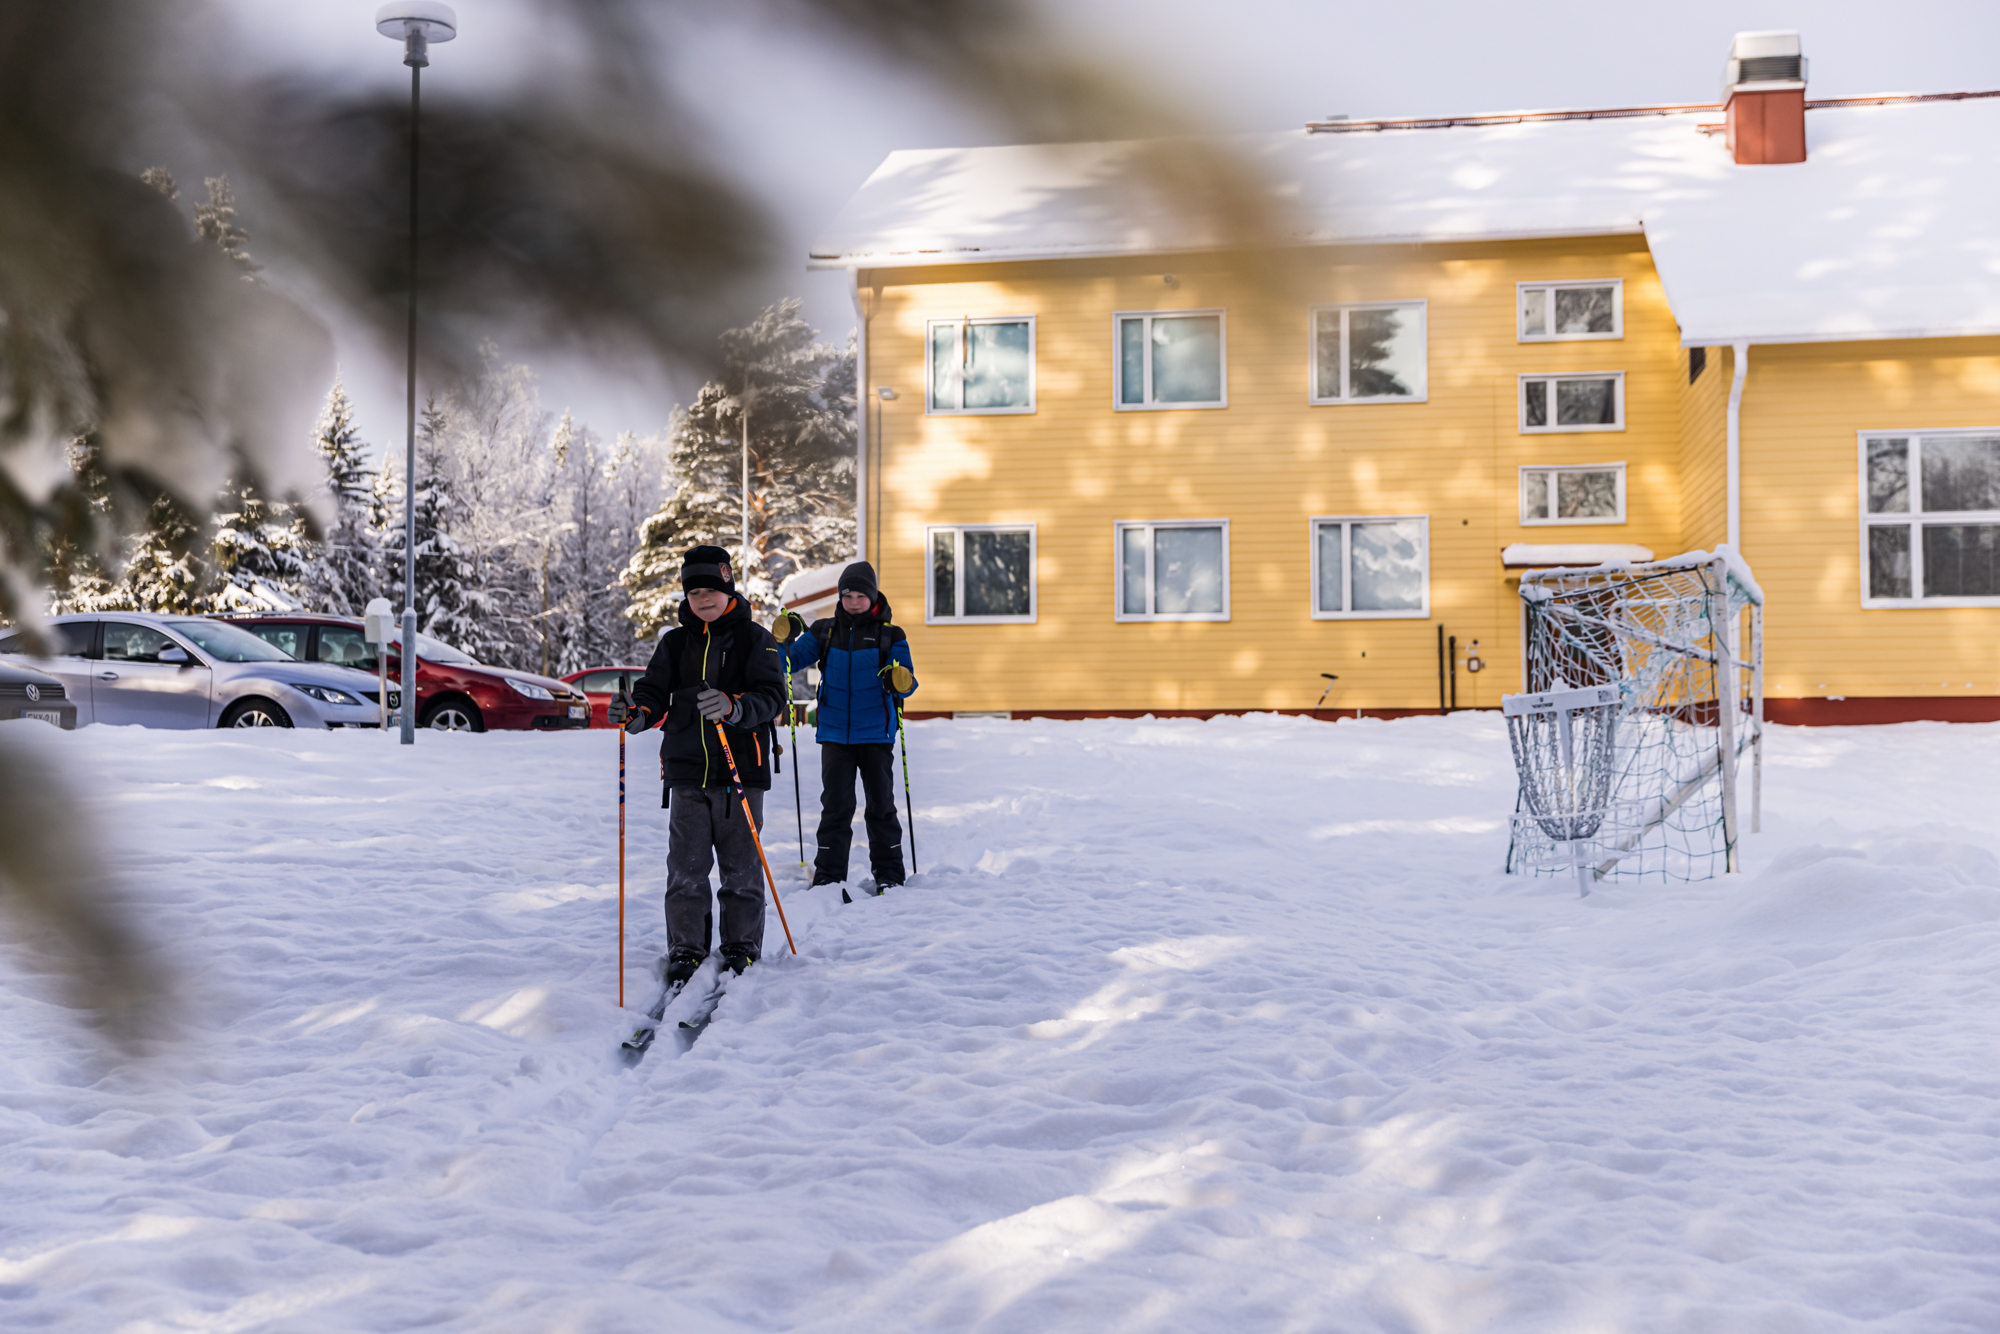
789 626
638 717
718 707
897 677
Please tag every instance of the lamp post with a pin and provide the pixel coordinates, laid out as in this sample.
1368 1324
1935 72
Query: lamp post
416 24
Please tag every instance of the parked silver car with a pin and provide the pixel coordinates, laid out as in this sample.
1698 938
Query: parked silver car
187 671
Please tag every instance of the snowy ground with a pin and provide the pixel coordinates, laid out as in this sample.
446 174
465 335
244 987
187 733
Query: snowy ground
1225 1026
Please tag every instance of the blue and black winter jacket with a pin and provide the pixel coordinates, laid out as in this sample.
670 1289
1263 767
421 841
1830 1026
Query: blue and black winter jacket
856 706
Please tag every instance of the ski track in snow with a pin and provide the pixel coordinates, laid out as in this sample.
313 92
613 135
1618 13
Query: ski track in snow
1218 1026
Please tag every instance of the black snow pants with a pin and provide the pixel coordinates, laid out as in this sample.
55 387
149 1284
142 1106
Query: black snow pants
876 763
705 825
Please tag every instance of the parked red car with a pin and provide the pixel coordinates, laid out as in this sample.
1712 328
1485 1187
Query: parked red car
454 693
599 685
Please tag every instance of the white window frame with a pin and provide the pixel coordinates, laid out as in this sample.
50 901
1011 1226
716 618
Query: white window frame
1421 306
1913 519
931 616
1118 319
1617 286
1552 469
960 324
1550 378
1347 522
1118 530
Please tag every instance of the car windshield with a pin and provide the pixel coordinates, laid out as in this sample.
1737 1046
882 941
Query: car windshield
229 643
438 651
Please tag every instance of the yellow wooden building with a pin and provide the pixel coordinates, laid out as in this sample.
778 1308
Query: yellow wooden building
1112 465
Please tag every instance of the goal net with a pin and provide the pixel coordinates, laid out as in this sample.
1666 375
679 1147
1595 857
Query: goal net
1643 694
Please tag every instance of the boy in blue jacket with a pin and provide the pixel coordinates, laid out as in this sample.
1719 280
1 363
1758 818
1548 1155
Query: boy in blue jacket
865 674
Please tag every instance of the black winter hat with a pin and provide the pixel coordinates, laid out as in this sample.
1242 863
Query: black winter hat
706 567
860 577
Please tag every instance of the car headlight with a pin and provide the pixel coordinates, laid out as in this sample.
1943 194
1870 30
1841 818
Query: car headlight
327 694
528 688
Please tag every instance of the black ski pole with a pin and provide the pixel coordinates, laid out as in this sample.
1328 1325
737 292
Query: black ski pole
909 802
798 800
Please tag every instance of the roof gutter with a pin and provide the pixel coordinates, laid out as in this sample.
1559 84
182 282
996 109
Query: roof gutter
1740 355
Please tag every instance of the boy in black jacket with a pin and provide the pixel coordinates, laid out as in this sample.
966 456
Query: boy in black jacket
716 666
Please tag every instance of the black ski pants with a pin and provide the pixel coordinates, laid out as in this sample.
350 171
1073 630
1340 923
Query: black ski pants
875 762
705 825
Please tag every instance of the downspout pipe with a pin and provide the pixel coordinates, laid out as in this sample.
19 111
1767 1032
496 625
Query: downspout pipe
1740 357
861 396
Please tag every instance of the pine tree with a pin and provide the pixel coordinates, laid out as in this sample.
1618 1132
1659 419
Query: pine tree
163 567
262 554
442 595
215 222
345 572
799 396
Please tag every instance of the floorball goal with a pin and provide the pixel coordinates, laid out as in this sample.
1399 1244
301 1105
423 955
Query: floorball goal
1643 695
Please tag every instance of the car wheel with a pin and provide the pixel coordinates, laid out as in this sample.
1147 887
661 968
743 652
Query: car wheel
255 713
453 715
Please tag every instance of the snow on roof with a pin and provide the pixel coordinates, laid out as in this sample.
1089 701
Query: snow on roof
1884 231
804 588
1519 555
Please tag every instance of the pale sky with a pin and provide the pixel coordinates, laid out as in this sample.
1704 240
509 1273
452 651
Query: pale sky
806 121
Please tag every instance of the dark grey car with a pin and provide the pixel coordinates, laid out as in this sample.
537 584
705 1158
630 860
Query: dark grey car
27 693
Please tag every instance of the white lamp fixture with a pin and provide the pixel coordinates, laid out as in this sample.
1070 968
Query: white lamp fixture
416 24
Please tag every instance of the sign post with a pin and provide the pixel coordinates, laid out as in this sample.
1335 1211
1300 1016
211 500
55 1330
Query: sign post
378 621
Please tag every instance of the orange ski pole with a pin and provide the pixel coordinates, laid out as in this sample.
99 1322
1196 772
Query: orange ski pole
736 781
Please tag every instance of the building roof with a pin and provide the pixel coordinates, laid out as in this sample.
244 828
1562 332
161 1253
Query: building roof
1885 231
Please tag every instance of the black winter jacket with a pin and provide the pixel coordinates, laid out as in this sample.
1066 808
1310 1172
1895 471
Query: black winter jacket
738 657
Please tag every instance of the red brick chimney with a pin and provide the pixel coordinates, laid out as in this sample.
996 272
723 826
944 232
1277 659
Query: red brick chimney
1764 98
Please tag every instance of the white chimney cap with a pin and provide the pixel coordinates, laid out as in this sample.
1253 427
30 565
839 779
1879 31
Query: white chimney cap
1750 45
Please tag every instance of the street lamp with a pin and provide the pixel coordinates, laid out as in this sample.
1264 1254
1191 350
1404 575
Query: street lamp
416 24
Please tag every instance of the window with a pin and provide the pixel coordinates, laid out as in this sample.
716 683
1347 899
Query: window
982 365
1173 571
1930 519
981 574
125 642
1171 359
1371 568
1560 312
71 639
1697 363
1594 402
344 646
1592 493
289 639
1372 353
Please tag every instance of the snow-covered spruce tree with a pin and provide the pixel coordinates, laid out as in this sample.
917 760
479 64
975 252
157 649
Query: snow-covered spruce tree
441 574
595 498
799 396
215 221
635 480
345 570
262 554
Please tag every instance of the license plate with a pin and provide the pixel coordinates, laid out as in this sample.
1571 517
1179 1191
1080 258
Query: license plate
579 710
43 715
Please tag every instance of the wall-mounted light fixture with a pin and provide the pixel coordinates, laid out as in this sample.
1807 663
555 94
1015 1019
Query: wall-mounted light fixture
1170 280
